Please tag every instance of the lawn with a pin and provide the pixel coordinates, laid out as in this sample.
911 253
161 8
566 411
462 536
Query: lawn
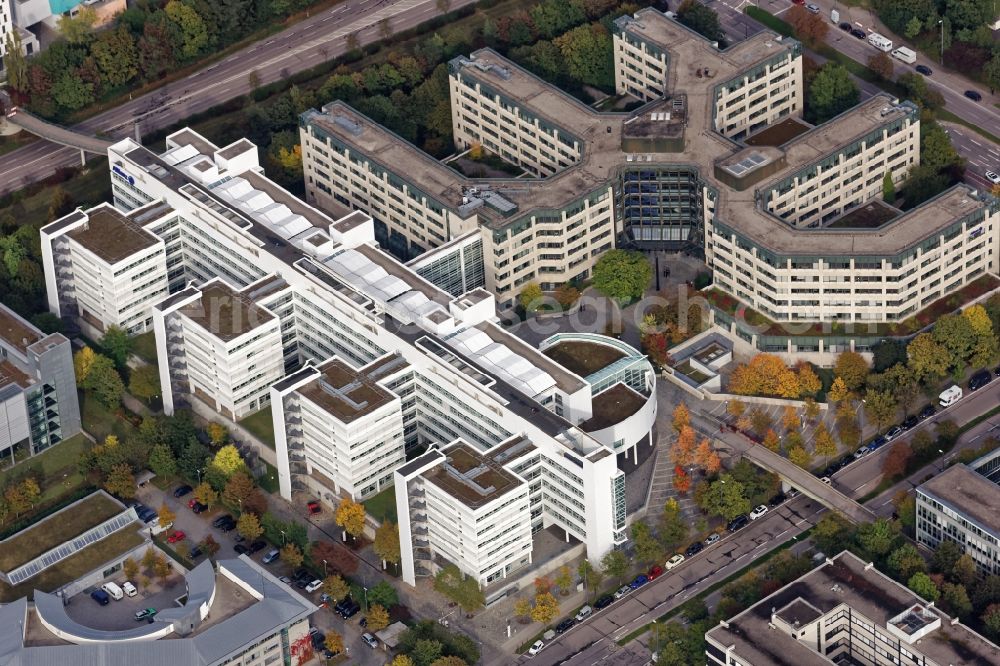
686 369
75 566
383 505
583 358
100 421
54 468
57 529
268 482
261 425
780 134
144 346
869 216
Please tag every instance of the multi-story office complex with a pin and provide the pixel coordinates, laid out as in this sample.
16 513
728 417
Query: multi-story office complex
240 615
845 612
694 168
361 359
962 504
38 402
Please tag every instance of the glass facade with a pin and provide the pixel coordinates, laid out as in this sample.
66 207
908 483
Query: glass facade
660 206
457 271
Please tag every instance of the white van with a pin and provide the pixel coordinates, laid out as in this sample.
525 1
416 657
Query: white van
584 613
129 589
906 55
880 42
113 591
950 396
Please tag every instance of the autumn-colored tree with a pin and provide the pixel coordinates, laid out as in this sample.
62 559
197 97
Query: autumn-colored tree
30 490
336 587
238 489
682 481
149 558
205 494
546 608
338 557
809 381
334 642
823 442
736 408
790 418
743 424
564 580
350 515
812 409
799 456
378 618
765 374
249 526
130 568
706 457
852 368
838 391
120 481
166 516
449 659
894 463
83 360
291 554
542 585
772 441
849 432
809 28
217 433
760 421
162 569
682 451
386 544
881 64
681 418
522 610
566 295
401 660
210 545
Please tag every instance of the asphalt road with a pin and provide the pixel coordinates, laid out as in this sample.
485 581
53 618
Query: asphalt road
303 45
982 154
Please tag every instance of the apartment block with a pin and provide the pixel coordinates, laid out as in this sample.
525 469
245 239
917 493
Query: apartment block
103 268
845 611
962 505
467 508
217 344
38 402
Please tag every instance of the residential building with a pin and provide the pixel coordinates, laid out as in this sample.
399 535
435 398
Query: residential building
845 611
363 361
962 505
6 26
239 615
38 402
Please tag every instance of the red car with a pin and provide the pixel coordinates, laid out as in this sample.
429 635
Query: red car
176 536
313 507
655 572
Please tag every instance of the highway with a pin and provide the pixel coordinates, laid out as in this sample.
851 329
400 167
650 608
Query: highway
306 44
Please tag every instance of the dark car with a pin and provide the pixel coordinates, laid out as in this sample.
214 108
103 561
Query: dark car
101 597
565 625
924 69
218 522
910 422
845 26
996 372
241 549
318 639
973 95
148 516
738 523
880 441
198 507
257 546
639 581
195 552
927 412
604 602
694 548
777 500
350 611
857 32
181 491
979 380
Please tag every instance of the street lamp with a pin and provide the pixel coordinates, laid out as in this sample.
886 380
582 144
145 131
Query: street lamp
366 598
941 23
282 537
324 568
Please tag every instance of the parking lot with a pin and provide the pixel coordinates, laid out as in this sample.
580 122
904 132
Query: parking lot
118 615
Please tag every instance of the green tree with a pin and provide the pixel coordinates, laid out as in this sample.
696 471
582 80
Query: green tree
832 532
564 579
116 345
144 382
194 34
923 586
913 27
928 359
614 564
877 538
116 56
592 577
888 188
955 333
530 297
880 406
964 571
725 497
104 382
383 594
906 561
701 19
992 72
464 591
673 527
831 93
936 151
193 460
799 456
955 598
162 461
78 29
71 92
622 274
587 51
647 548
426 651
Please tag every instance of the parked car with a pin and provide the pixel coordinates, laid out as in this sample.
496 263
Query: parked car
694 549
197 506
910 422
241 549
861 452
129 589
178 535
218 522
147 515
827 480
655 572
622 591
758 512
845 26
973 95
370 640
271 556
639 581
228 526
342 604
674 562
195 552
927 412
535 648
777 500
141 615
313 506
350 611
738 523
993 177
604 602
257 546
893 433
565 625
318 639
878 442
813 8
979 380
285 579
924 69
101 597
302 575
712 538
181 491
857 32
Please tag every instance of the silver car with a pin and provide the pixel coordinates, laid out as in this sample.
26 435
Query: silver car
813 8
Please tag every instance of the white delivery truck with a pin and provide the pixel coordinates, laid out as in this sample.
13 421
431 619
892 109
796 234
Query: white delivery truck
113 590
906 55
950 396
880 42
834 16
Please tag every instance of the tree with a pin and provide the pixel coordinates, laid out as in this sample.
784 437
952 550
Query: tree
849 433
217 433
386 544
887 354
104 382
877 537
765 374
336 587
567 295
522 610
192 460
701 19
116 344
591 577
585 51
464 591
681 480
838 391
614 564
350 515
130 568
402 660
206 494
913 27
964 571
706 457
906 561
144 382
531 297
227 461
761 421
895 462
823 443
928 359
832 92
378 618
832 532
564 580
78 29
337 557
248 525
772 441
194 33
880 406
955 598
116 56
809 385
622 274
985 347
149 558
239 488
881 65
292 554
681 417
945 556
923 586
334 642
790 416
449 660
166 516
725 497
955 333
810 28
682 451
162 569
888 187
736 408
852 368
647 548
383 594
120 481
15 62
162 462
799 456
992 72
991 620
546 608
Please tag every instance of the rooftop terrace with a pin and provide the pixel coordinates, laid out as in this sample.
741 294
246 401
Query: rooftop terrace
225 313
111 235
470 477
346 393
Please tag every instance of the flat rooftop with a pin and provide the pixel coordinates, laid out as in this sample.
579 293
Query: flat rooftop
225 313
846 581
10 374
17 332
613 405
346 393
968 492
582 357
470 477
111 235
